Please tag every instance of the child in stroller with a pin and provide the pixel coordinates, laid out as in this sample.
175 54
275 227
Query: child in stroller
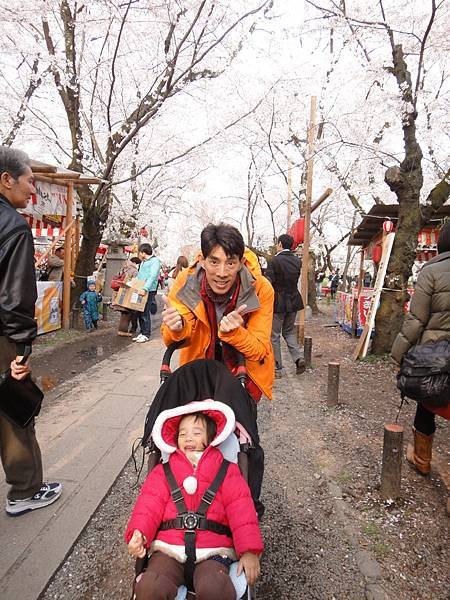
170 518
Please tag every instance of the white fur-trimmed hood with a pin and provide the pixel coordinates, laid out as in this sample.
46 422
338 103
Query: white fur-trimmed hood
165 429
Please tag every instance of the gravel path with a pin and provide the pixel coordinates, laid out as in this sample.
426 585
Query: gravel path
327 534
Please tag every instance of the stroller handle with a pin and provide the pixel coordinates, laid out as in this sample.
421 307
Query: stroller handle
165 371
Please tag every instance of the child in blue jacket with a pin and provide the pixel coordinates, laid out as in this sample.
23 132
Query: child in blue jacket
90 300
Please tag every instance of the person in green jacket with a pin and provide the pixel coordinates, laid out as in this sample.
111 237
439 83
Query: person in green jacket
149 273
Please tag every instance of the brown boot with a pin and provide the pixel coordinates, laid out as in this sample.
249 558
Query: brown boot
419 455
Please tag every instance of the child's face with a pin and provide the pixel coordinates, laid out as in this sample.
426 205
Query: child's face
192 436
91 287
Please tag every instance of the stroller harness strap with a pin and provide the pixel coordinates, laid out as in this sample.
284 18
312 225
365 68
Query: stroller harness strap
203 524
191 521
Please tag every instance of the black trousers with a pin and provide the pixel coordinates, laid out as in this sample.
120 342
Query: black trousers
425 420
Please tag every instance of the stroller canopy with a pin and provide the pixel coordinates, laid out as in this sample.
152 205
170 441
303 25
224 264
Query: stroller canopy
203 380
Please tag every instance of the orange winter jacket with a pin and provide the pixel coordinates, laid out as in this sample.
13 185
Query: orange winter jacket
251 339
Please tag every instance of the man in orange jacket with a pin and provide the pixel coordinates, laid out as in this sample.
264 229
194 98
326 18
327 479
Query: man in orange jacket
224 298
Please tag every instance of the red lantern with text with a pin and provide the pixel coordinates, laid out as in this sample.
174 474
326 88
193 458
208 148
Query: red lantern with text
297 231
376 253
388 226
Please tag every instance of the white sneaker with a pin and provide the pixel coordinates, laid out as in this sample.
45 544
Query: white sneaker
49 493
141 339
135 339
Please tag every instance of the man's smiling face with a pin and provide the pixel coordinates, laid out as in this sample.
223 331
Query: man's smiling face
221 270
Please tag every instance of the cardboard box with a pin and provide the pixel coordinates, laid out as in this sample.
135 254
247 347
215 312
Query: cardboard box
128 297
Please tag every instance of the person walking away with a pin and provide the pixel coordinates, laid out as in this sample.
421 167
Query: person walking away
428 320
190 438
128 317
149 273
55 265
320 276
19 450
182 263
224 299
283 271
334 283
90 299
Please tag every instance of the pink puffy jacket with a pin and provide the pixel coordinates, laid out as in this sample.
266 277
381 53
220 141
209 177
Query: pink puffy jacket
232 506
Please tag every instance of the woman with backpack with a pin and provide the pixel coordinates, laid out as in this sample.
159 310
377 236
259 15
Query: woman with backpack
428 320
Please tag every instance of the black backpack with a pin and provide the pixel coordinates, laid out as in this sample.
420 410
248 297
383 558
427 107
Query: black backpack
424 374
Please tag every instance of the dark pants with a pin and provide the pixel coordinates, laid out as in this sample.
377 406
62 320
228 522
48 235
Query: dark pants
19 450
424 421
126 319
145 322
164 575
284 324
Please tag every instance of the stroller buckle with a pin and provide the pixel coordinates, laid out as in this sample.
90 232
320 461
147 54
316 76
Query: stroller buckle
190 521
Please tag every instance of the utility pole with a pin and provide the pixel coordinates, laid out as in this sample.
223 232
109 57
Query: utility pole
307 216
67 257
289 196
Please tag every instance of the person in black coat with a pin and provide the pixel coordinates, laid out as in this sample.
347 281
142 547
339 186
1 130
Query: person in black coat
283 271
19 450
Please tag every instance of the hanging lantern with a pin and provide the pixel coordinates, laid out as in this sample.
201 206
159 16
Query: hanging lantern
297 231
388 226
376 253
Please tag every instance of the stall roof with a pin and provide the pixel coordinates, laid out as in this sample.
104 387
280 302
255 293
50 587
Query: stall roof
372 222
51 173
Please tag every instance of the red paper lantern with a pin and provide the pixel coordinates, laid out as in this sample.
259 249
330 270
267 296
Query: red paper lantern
376 253
388 226
297 231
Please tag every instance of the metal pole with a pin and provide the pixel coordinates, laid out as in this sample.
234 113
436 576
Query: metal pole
309 182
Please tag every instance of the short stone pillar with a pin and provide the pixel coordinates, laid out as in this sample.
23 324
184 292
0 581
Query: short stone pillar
115 261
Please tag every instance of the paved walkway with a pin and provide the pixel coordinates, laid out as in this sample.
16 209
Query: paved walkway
85 431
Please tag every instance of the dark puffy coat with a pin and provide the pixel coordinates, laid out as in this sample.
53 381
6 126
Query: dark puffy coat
428 319
17 278
283 271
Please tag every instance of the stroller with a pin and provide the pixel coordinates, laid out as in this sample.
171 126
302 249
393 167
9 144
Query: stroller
195 382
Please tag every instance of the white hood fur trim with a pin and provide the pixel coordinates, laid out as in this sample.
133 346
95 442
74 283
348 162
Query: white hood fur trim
187 409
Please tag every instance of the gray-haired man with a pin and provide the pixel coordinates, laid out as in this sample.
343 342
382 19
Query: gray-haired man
19 450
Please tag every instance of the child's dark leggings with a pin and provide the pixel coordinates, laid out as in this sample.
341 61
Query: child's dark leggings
424 420
164 575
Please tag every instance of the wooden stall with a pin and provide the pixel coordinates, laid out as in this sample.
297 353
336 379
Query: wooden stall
352 308
53 213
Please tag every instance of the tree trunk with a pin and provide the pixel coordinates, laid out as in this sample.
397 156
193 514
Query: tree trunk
92 230
406 181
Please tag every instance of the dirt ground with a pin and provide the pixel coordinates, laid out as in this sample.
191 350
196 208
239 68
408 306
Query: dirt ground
328 534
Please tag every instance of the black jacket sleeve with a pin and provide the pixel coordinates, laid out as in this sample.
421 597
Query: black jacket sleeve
18 291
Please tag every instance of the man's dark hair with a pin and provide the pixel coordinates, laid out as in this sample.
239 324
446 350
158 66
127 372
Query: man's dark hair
443 244
226 236
286 241
146 249
13 161
60 249
135 260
